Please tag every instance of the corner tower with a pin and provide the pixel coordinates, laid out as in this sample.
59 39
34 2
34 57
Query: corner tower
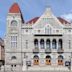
13 59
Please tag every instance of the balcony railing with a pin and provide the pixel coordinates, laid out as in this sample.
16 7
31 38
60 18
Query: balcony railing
36 50
60 50
47 50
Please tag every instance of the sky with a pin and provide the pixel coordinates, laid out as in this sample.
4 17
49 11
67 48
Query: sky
33 8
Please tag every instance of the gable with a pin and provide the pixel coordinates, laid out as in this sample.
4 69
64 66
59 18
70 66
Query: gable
47 18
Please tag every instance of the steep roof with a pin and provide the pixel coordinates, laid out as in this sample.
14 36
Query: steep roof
33 20
14 8
63 21
59 18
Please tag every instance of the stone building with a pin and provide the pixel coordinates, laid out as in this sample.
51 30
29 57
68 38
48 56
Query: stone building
2 52
42 44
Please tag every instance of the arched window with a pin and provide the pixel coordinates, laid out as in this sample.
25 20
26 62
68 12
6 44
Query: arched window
13 23
48 60
54 44
36 60
60 60
60 44
36 43
42 43
13 57
47 43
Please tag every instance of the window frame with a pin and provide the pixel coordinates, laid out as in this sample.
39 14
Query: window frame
13 23
13 41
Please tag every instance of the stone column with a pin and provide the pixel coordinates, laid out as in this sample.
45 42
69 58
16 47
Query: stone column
51 44
24 64
39 43
57 43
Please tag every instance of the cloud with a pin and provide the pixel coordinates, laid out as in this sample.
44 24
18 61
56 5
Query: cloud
67 17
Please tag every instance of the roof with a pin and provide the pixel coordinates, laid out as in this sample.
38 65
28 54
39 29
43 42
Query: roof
59 18
14 8
63 21
33 20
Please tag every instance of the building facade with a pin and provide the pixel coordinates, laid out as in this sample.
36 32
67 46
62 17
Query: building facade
2 53
44 43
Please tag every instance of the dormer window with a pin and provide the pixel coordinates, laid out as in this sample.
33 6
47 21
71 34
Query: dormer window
13 23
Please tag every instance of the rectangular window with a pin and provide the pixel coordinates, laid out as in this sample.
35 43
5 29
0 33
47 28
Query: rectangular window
13 41
13 38
13 44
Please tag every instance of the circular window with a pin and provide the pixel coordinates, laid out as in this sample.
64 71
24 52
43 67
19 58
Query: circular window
13 23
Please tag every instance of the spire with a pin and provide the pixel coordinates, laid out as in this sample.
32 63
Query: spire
14 8
48 9
48 13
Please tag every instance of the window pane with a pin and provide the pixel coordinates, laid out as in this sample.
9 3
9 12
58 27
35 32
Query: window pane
54 44
13 38
60 44
36 43
42 43
14 23
13 57
48 44
13 41
13 44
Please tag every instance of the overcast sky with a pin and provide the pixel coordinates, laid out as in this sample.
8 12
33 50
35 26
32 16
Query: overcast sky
33 8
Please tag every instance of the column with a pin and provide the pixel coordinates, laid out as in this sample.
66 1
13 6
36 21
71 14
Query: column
57 43
51 44
39 44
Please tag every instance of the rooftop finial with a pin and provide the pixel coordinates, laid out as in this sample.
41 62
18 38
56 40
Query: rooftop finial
47 6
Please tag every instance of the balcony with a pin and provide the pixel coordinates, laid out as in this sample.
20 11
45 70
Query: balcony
47 50
60 50
36 50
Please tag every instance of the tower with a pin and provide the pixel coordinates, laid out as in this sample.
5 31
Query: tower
13 55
